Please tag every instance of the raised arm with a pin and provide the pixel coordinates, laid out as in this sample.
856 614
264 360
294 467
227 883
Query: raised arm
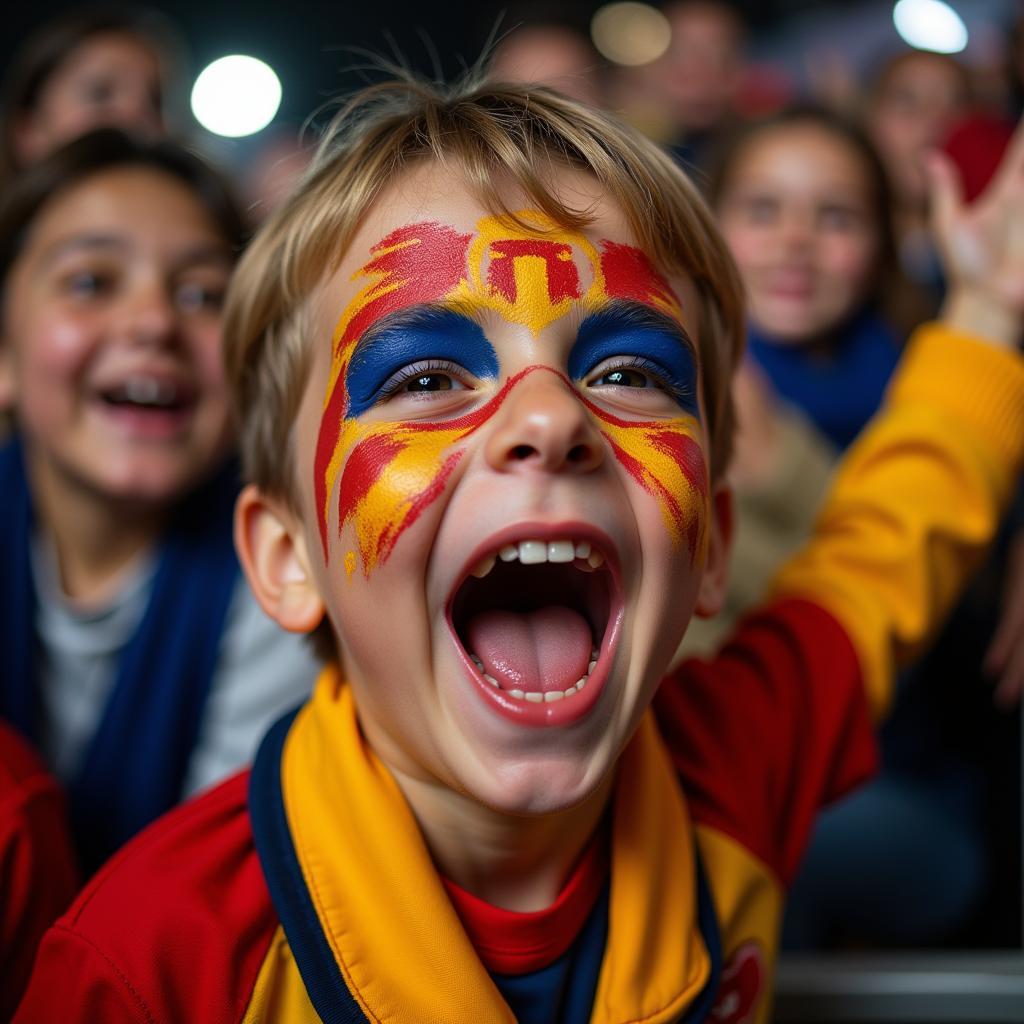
777 724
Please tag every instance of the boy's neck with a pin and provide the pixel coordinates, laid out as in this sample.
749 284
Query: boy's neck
516 862
95 539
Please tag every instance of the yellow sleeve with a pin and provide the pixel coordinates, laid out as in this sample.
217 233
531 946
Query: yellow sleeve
915 501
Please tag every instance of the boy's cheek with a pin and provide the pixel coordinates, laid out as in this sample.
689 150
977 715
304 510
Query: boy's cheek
386 484
666 461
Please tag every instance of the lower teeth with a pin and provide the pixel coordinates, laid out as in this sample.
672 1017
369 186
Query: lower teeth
534 696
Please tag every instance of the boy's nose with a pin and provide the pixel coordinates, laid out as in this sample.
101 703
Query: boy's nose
543 425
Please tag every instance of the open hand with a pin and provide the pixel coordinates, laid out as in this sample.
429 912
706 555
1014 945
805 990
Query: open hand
982 245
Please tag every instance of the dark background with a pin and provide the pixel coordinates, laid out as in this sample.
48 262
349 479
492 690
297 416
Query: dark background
309 43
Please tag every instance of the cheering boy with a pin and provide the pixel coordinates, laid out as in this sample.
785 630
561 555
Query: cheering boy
482 359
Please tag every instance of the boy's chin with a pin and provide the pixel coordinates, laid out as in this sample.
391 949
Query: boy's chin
540 786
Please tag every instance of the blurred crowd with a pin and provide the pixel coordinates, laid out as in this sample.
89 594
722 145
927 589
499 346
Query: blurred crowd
111 227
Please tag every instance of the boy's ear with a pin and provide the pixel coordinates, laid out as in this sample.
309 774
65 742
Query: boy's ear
272 549
715 581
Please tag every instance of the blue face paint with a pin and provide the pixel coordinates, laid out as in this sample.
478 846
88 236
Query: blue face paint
410 337
646 340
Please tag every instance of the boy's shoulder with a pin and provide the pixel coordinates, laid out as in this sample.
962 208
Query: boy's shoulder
174 927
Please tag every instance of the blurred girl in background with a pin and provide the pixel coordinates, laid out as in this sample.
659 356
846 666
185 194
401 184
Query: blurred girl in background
135 655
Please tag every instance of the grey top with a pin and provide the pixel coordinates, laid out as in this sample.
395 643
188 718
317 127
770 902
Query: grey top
262 671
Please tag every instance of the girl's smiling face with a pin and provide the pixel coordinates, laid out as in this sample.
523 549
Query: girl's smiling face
502 468
111 338
799 214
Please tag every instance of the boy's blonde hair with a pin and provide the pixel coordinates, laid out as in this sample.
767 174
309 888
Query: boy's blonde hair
491 134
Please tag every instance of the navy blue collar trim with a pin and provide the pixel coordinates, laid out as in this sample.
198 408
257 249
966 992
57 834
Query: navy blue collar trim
324 983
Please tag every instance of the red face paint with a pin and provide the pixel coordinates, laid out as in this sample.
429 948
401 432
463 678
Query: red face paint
417 453
415 264
561 275
389 473
629 274
667 461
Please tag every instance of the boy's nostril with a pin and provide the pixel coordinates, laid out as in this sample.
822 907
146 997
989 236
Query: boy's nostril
578 453
521 452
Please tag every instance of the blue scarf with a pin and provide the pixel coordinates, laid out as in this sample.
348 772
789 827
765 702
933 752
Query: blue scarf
838 390
135 765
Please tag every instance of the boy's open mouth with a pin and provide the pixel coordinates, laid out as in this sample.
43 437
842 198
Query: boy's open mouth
533 617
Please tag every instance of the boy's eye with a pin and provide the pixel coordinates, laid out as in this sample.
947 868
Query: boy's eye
424 377
430 382
624 378
635 372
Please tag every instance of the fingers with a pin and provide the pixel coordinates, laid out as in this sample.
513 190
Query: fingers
945 193
1010 172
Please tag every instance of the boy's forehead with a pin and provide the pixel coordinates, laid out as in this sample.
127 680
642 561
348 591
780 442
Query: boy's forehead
429 239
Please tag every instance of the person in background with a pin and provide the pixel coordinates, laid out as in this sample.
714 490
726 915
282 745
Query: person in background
101 66
38 873
803 202
134 654
686 99
551 54
916 99
274 170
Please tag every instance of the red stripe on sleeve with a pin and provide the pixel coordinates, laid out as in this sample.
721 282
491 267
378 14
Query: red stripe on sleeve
174 928
769 731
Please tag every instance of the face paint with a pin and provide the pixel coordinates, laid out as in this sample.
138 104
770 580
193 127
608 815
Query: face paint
663 456
647 340
414 265
390 472
396 470
425 336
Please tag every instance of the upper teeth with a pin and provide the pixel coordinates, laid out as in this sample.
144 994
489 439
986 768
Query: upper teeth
534 552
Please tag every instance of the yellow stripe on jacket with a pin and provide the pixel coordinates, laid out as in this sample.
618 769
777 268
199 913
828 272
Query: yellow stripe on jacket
916 501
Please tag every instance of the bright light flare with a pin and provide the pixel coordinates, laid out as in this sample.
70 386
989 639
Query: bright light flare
930 25
630 33
236 96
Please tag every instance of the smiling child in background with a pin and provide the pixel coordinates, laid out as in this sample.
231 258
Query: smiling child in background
135 656
482 359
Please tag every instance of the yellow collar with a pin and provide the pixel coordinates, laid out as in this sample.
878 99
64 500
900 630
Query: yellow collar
390 926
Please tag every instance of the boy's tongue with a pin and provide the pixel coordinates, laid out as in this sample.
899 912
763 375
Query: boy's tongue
538 651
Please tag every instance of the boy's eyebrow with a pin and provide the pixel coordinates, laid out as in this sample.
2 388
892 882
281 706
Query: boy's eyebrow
423 315
628 314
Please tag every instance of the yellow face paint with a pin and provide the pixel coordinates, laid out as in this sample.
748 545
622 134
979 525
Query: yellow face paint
386 474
